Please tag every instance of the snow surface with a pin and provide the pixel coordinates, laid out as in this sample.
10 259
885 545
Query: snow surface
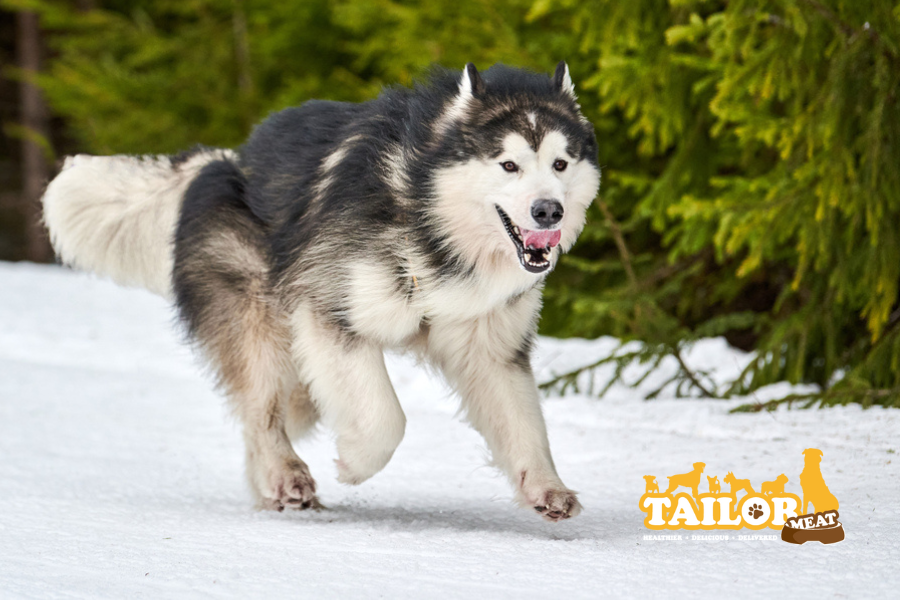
121 476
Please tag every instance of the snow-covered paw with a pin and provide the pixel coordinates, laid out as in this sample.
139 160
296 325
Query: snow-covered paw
290 487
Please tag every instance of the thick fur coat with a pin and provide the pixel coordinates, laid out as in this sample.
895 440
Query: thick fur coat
425 220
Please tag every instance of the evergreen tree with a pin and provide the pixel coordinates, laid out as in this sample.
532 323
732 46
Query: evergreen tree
756 195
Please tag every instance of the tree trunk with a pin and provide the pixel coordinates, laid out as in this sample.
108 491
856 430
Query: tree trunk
34 120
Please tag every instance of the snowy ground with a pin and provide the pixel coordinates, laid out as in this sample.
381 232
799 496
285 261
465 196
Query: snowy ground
121 476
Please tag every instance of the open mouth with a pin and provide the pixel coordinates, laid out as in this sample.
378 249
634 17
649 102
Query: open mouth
533 247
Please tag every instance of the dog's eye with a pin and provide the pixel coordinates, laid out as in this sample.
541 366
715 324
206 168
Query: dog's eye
560 165
509 166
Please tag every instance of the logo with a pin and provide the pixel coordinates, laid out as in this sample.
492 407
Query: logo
771 507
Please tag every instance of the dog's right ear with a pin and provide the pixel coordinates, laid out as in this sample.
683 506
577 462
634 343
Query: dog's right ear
471 84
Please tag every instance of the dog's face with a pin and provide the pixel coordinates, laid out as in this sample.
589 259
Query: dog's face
525 165
649 478
540 195
781 478
713 480
698 466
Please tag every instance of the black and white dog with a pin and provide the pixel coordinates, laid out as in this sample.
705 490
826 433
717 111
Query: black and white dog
425 220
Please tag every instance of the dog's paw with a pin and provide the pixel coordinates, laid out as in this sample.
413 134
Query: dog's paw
558 505
350 475
359 459
290 487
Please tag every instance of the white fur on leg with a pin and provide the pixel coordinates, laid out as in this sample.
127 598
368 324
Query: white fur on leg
256 370
353 393
116 215
277 476
501 401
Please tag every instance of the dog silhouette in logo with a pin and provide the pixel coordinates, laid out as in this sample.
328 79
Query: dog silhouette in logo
714 487
738 484
769 488
814 488
688 480
651 486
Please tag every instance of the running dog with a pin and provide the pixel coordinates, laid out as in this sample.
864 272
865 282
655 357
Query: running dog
424 220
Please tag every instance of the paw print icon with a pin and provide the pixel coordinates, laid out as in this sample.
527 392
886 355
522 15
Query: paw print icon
754 511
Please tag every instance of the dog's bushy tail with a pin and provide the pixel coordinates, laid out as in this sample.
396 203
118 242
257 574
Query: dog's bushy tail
117 215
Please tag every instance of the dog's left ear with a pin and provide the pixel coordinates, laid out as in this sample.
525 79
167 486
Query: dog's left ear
472 84
562 81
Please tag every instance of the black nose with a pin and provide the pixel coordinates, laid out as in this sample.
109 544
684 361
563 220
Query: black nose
547 213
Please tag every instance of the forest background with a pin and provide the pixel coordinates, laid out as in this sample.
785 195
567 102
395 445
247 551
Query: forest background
750 149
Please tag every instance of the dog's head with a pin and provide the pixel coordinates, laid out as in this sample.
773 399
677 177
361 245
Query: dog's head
714 480
650 478
812 455
518 165
729 478
782 479
698 466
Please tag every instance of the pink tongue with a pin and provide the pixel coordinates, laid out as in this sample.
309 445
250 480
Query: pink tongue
540 239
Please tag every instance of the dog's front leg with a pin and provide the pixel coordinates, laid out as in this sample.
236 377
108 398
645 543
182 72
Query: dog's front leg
351 389
501 401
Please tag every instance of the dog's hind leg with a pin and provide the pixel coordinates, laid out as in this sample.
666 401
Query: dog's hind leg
487 362
223 295
350 386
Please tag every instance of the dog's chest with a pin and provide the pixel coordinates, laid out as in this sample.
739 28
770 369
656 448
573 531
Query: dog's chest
390 313
381 308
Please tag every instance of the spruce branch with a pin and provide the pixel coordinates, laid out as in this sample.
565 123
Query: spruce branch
627 264
832 18
867 397
848 30
619 239
691 376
